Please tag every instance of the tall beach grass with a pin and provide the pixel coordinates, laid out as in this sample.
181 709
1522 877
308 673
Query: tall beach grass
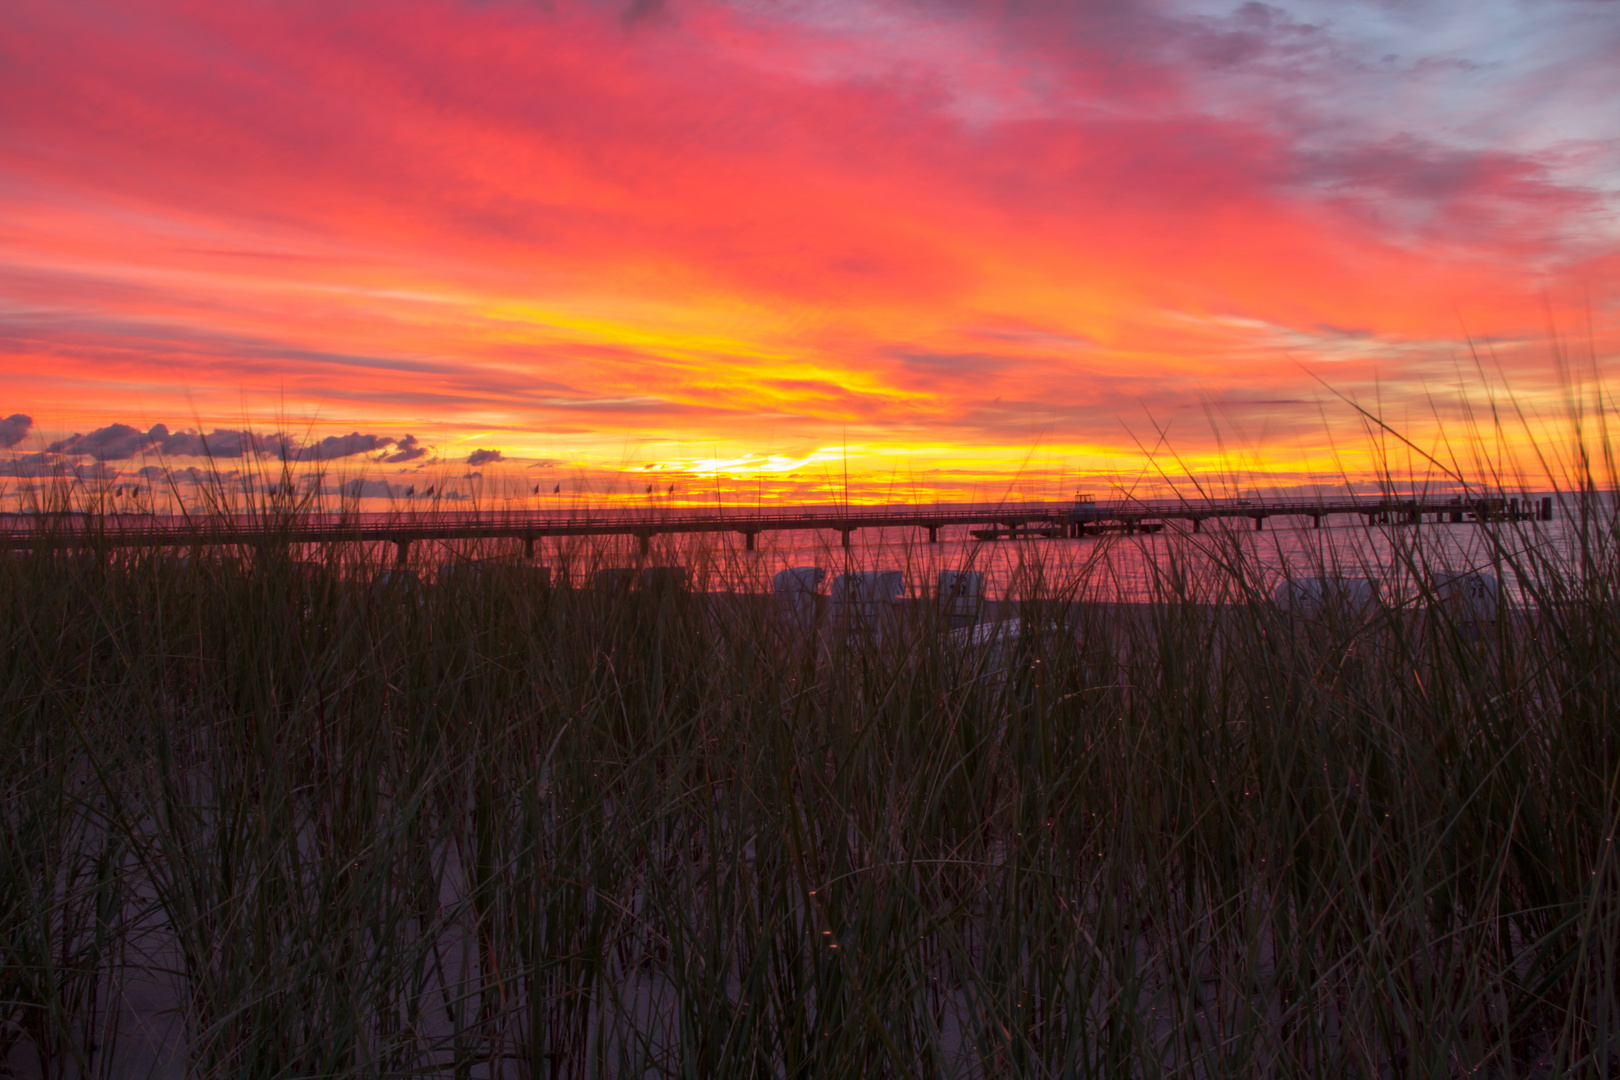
264 815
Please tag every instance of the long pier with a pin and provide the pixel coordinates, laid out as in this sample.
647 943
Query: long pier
1011 520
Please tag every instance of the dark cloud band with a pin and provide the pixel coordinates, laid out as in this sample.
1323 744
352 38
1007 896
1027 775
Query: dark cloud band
117 442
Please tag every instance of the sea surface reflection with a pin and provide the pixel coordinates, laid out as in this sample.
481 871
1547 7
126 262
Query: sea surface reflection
1203 566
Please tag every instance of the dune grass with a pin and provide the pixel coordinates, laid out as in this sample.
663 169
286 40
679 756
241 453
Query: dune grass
266 817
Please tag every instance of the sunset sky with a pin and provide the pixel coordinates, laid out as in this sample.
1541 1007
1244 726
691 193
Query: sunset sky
948 249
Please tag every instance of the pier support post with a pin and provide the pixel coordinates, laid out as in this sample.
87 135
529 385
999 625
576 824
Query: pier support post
645 540
1198 524
402 551
846 533
528 547
748 539
1259 522
1316 521
933 534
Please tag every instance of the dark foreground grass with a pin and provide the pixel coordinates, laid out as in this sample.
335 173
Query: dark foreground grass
265 818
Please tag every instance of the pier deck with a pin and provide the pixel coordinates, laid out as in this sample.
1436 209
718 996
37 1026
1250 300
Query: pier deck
1011 521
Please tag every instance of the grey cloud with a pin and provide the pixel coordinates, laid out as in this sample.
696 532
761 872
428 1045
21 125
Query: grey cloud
338 446
41 465
121 441
482 457
407 449
112 441
218 444
118 441
30 465
13 429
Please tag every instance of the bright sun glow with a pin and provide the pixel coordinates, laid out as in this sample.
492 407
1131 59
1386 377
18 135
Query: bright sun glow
753 464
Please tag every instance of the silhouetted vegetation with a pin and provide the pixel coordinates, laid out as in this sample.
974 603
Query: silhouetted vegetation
267 816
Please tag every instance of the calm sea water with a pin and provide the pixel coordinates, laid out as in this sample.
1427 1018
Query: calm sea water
1120 567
